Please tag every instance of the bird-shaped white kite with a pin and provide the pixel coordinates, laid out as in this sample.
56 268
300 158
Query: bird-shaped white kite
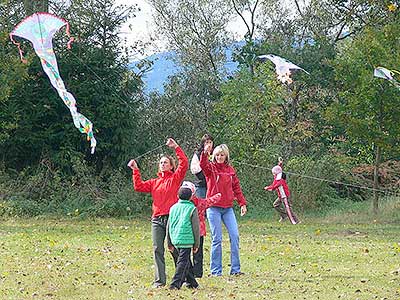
282 67
384 73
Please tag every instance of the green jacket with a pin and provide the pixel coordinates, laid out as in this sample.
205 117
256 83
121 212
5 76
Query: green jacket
183 230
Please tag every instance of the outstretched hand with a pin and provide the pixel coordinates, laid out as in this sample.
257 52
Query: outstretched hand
171 143
208 148
132 164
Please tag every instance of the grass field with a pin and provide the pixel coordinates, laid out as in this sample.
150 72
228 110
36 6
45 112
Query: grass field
112 259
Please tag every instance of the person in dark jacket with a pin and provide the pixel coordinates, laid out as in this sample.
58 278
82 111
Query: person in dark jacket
195 169
201 191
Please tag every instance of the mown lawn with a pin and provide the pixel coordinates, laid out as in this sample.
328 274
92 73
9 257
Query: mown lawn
111 259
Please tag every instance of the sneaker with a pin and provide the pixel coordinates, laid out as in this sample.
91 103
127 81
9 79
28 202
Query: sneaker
158 285
281 220
237 274
172 287
189 286
214 275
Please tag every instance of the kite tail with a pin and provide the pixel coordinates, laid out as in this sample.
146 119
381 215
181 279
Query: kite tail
71 39
21 53
394 71
93 144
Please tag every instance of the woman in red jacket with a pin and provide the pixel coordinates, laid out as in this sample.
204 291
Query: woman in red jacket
221 178
164 191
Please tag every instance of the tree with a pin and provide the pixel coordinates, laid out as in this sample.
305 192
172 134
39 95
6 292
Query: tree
368 108
12 72
35 6
340 19
95 70
246 54
195 29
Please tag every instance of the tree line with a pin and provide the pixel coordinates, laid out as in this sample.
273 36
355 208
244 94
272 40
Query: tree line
338 124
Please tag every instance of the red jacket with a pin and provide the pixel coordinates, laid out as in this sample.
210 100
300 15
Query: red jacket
202 205
280 186
164 188
222 178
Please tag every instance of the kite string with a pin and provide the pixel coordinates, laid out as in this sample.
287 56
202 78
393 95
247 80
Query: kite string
150 151
322 179
103 81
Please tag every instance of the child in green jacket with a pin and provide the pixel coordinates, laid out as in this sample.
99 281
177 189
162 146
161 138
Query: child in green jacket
183 233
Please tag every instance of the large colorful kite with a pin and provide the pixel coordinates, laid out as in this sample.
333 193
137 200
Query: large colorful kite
384 73
39 29
283 67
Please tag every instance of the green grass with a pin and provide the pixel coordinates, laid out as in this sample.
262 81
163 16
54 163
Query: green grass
112 259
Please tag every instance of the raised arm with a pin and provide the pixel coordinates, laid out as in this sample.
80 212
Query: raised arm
183 162
205 164
138 184
180 172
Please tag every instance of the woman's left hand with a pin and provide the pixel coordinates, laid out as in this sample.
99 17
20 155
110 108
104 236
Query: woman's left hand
171 143
243 210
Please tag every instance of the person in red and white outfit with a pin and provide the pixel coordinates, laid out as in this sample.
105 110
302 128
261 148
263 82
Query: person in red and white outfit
279 184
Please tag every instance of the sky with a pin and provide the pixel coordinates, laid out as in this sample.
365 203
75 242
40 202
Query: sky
141 27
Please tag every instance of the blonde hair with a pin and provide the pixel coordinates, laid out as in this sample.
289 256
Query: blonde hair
224 149
171 161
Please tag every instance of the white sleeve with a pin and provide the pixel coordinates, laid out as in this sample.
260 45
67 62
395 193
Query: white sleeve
195 165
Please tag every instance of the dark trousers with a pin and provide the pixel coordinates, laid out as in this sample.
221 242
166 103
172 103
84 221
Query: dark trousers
184 270
198 260
286 211
158 232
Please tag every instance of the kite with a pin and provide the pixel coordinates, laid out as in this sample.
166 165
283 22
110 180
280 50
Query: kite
39 29
384 73
282 67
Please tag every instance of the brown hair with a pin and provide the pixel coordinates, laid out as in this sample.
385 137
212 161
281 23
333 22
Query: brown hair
205 138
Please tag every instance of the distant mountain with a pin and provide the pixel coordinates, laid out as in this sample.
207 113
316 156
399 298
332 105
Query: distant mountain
164 66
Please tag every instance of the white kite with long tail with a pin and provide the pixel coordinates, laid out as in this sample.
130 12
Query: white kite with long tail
39 29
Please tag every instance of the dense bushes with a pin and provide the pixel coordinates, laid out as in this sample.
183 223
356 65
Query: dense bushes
46 191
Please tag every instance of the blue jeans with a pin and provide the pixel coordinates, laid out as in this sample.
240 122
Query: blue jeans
201 192
217 215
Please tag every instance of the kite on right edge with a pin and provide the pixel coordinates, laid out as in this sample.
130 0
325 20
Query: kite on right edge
384 73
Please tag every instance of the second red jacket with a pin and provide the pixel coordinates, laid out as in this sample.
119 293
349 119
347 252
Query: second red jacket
222 178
